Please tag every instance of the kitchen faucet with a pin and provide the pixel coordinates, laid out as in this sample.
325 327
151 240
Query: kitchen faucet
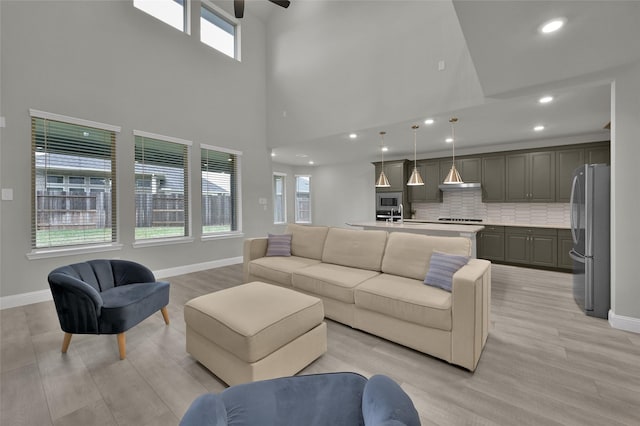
401 211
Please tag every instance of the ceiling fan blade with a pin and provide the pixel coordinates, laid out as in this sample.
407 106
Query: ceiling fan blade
281 3
238 7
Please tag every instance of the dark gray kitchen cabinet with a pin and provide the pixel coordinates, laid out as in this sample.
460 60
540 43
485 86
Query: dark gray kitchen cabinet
491 243
429 193
598 154
396 172
470 169
565 244
567 160
531 246
493 179
530 177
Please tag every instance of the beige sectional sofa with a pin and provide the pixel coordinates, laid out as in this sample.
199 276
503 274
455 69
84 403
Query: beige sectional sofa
373 281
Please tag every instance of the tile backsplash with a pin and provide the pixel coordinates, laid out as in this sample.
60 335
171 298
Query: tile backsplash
469 205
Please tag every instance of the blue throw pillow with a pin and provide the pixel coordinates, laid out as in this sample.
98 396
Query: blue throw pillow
441 269
279 245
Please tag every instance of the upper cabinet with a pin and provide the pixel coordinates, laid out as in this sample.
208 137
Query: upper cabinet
396 172
470 169
567 160
493 179
429 192
522 176
597 154
530 177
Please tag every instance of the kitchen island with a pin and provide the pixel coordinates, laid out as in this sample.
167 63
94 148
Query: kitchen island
442 230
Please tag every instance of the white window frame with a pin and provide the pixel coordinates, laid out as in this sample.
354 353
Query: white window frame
188 221
238 233
284 198
216 10
56 251
297 213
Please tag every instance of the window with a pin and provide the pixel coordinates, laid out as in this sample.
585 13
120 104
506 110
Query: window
172 12
219 30
62 149
279 198
220 174
162 186
303 199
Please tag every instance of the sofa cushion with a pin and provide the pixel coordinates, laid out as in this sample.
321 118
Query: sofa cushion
328 280
355 248
307 241
408 255
279 245
442 266
406 299
278 269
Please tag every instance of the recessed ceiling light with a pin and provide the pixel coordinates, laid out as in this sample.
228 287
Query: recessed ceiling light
428 121
385 149
353 136
311 163
545 99
538 128
448 140
552 25
273 154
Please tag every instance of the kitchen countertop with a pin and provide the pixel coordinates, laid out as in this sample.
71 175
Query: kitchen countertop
420 226
491 223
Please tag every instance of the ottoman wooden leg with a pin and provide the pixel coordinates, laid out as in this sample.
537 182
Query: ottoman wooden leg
165 315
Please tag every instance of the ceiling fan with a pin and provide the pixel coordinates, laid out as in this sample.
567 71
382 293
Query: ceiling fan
238 6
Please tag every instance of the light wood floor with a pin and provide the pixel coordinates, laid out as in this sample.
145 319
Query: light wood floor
545 363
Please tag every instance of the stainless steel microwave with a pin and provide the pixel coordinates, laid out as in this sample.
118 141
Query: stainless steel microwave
387 201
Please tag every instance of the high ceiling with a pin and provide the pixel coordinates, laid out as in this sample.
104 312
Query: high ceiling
511 66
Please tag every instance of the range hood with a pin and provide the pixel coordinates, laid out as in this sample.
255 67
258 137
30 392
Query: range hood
459 186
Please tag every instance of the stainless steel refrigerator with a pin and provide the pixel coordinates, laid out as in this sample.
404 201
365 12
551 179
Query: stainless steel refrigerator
590 231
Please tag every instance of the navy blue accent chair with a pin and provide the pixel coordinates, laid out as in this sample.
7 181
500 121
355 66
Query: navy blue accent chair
330 399
106 297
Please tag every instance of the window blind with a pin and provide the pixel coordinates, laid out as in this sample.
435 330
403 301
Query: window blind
73 182
162 186
220 170
303 199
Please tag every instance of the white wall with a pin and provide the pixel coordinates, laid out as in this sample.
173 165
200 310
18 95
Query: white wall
109 62
337 66
625 197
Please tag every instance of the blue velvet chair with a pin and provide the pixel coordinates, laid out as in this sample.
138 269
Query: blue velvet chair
331 399
106 297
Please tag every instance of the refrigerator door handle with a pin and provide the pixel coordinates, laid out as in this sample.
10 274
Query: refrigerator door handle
574 220
576 256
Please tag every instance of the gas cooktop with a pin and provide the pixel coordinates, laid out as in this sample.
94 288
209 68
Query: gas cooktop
456 219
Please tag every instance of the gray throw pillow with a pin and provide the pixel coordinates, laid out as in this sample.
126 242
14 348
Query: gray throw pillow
279 245
441 269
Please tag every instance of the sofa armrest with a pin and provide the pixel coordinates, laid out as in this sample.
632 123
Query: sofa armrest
253 248
470 310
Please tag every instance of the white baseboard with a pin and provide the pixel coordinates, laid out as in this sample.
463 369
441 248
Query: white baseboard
45 295
624 323
22 299
196 267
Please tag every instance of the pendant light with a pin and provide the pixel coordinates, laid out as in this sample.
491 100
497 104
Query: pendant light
382 181
415 179
453 176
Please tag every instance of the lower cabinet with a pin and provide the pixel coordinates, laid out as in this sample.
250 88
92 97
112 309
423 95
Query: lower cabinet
565 244
491 243
526 246
531 246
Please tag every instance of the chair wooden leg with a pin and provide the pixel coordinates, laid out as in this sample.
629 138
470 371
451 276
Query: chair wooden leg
65 342
165 315
122 345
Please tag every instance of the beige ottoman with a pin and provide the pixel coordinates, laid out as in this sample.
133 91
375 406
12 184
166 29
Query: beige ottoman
255 331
